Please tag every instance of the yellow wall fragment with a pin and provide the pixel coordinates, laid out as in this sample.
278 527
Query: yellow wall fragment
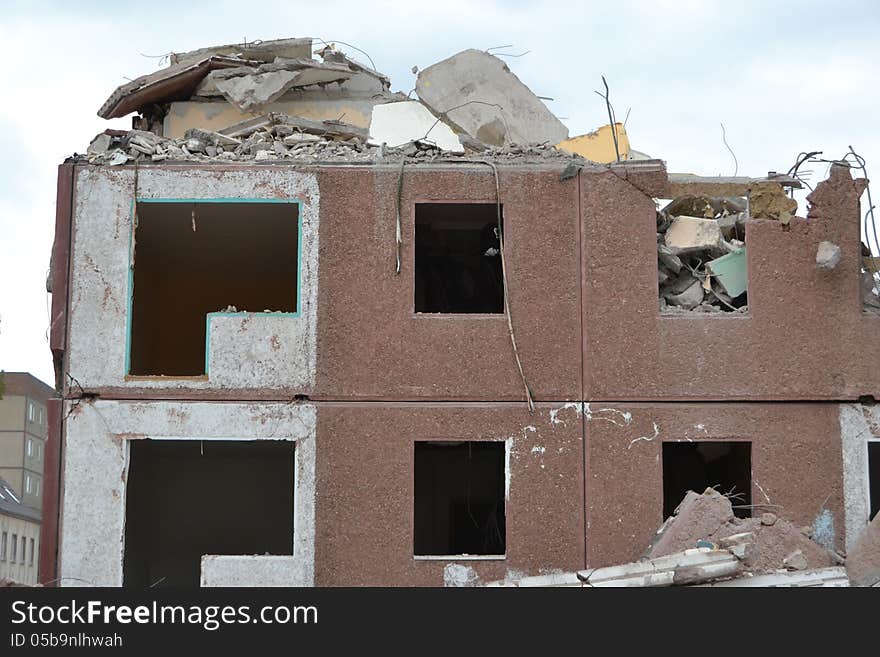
598 146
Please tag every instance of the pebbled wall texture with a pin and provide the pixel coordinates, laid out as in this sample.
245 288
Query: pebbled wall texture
357 377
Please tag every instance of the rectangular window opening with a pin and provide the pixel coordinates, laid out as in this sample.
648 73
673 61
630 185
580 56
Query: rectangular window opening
459 506
188 498
725 466
23 549
14 548
191 259
3 547
31 560
701 254
874 477
457 259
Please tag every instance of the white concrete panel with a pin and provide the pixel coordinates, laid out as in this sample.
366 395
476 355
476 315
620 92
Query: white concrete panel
396 124
96 468
100 291
858 425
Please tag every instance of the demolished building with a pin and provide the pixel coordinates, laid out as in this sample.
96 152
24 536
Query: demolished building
309 331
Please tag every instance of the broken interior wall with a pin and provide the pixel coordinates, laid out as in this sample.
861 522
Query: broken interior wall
791 443
859 424
782 349
439 356
93 512
352 100
257 351
364 512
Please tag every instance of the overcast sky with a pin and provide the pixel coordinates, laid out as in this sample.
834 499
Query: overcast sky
783 77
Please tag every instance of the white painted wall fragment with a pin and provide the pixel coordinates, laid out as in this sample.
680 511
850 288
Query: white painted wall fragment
396 124
96 466
276 352
858 425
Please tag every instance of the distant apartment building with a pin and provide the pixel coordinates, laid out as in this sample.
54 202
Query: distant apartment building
23 432
19 538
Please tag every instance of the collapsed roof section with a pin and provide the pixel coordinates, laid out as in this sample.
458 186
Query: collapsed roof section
468 103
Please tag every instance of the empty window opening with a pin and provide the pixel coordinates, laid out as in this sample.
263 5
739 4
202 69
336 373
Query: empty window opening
191 259
189 498
459 498
724 466
458 258
701 254
874 477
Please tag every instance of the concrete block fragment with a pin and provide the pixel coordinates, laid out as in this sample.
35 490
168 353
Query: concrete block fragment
690 234
668 259
300 138
689 298
555 579
863 560
731 272
491 104
795 561
698 516
827 255
248 92
100 144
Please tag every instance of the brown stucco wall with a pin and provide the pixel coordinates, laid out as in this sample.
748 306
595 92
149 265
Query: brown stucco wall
805 336
371 345
364 489
796 463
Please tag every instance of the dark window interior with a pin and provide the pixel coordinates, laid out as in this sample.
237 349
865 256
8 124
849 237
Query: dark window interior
725 466
191 259
874 476
459 498
189 498
458 263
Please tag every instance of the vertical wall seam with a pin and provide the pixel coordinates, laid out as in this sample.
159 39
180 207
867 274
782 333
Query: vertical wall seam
583 360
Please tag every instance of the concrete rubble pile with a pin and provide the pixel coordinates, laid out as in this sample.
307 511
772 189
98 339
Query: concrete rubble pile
272 101
701 254
705 544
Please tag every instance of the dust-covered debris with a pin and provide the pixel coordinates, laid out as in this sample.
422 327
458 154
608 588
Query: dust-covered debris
701 255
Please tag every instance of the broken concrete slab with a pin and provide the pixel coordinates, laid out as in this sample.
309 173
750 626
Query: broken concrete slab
174 82
249 92
395 124
690 234
863 560
212 138
688 184
258 51
553 579
698 516
689 298
821 577
827 255
731 272
476 93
